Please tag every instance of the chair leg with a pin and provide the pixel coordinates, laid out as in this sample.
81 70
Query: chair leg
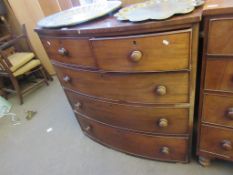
17 89
2 92
49 77
20 97
44 75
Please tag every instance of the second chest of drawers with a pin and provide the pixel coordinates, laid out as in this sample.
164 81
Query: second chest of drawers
215 138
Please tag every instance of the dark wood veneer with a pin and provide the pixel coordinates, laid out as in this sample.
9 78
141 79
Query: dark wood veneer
159 52
147 146
69 50
219 74
144 118
133 88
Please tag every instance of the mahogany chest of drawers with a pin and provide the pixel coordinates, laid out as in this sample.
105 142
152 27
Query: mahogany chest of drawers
131 86
215 137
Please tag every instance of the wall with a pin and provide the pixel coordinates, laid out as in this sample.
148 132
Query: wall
29 12
52 6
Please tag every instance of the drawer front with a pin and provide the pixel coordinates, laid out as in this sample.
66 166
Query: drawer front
141 118
220 37
134 88
216 140
159 52
70 51
218 109
154 147
219 74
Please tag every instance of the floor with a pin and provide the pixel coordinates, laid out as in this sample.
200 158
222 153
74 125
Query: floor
51 143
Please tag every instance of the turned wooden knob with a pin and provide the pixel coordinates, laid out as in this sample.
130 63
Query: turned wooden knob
165 150
163 123
136 56
66 79
226 145
161 90
230 113
62 51
78 105
87 128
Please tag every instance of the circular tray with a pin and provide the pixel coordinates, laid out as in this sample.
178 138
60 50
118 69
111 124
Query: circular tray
79 14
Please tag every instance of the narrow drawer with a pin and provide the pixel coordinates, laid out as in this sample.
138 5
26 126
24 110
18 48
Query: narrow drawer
218 109
217 141
153 147
220 36
155 52
219 74
70 51
139 118
133 88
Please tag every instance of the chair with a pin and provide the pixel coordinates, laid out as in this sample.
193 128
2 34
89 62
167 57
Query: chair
17 63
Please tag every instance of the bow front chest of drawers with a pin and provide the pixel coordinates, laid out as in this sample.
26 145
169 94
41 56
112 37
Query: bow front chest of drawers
131 86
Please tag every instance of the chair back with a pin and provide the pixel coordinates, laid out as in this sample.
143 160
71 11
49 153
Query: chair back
8 46
5 64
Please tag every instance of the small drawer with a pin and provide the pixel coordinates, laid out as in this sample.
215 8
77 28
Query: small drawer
132 88
217 141
219 74
220 36
218 109
69 51
154 52
148 146
139 118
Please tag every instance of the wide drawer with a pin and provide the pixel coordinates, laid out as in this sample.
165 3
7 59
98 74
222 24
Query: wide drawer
69 51
139 118
218 109
134 88
154 52
217 141
220 36
219 74
148 146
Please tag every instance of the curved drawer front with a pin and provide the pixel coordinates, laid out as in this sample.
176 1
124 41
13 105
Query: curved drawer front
219 74
217 141
218 109
134 88
158 52
141 118
69 51
153 147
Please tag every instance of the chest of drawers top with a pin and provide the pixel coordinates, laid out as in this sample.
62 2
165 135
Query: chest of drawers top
110 26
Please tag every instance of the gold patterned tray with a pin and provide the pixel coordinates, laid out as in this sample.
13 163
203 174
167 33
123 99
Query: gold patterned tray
157 9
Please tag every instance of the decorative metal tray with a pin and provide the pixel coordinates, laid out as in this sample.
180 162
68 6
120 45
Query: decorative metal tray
79 14
157 9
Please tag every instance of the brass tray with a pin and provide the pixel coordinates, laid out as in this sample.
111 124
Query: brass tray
157 9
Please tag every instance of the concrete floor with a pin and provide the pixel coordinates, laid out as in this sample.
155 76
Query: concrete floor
30 149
